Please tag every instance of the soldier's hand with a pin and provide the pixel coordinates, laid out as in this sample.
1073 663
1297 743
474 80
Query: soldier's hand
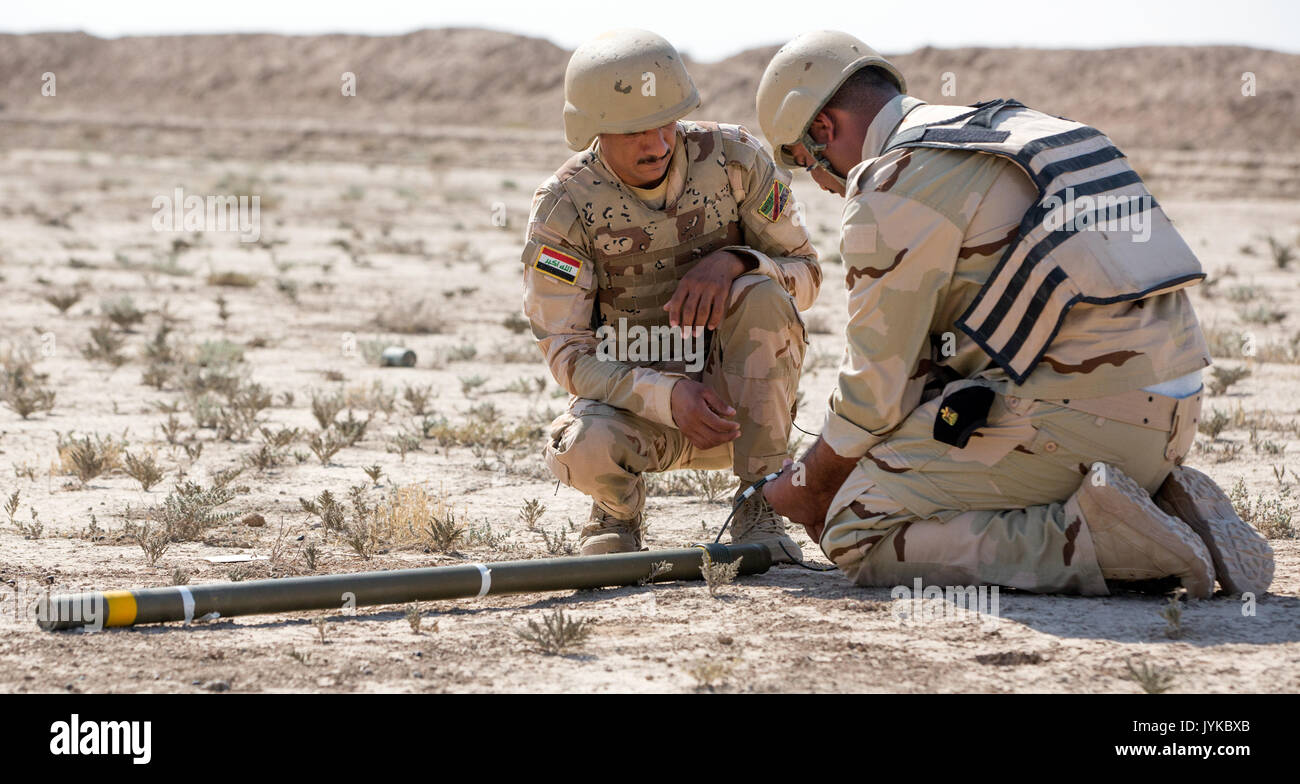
702 416
795 503
701 297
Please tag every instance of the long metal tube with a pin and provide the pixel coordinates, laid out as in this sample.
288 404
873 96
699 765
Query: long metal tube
185 602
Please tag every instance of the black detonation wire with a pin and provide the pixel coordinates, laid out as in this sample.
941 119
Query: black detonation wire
745 496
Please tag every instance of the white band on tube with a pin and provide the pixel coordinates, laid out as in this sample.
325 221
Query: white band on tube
486 575
187 601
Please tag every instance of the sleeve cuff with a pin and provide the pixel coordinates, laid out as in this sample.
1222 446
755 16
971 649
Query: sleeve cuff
847 439
763 262
659 399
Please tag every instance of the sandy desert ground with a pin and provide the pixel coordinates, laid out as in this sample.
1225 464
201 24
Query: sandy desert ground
206 354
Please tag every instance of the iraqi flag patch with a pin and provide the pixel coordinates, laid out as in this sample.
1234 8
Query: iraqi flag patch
774 204
560 266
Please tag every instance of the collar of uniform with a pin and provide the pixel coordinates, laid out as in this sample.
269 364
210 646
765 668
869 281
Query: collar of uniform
878 134
885 123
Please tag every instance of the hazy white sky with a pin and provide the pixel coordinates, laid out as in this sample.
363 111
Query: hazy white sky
705 30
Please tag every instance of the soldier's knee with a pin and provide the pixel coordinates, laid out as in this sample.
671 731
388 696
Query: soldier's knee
761 295
585 446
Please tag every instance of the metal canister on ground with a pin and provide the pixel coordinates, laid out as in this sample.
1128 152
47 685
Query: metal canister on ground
398 356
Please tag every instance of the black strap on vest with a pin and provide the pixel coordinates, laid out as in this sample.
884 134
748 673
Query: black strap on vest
977 127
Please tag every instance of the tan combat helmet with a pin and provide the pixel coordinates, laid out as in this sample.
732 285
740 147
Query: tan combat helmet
803 75
624 81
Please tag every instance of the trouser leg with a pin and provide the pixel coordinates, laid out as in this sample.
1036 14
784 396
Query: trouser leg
603 452
754 363
993 511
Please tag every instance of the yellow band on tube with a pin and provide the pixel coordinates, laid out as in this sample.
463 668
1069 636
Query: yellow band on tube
121 608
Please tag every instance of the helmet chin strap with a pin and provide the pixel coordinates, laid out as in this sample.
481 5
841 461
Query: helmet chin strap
815 149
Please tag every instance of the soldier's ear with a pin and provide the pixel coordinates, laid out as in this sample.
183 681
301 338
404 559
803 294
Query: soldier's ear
823 129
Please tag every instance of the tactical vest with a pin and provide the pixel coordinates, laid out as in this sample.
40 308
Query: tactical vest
1095 235
640 254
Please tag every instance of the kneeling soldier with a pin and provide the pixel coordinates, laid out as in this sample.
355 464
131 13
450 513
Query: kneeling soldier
1023 363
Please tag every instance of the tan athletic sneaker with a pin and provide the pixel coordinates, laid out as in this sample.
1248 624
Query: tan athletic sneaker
605 533
757 521
1243 560
1135 540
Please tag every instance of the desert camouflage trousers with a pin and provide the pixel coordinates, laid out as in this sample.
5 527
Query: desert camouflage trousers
753 362
993 512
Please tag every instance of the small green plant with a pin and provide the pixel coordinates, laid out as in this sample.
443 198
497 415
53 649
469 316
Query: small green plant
657 570
32 530
105 346
1173 615
153 540
1225 377
325 407
22 389
717 575
1214 424
189 510
325 445
180 576
414 616
531 512
709 673
1261 314
64 300
1282 253
470 384
711 485
351 429
1152 678
462 353
144 470
442 531
89 458
311 555
321 625
557 543
556 633
122 312
327 508
374 472
417 397
403 442
264 457
1271 515
11 507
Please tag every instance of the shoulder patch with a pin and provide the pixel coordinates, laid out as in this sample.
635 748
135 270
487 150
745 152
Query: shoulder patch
558 265
774 202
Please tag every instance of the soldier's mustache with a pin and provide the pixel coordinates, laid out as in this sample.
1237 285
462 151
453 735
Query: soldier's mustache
652 159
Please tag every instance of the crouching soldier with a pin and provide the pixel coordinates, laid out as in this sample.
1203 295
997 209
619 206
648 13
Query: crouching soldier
663 275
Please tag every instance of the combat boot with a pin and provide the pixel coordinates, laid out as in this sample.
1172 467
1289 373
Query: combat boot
757 522
1243 560
605 533
1135 540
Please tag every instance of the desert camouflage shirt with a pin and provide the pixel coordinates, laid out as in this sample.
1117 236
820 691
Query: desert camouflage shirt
563 288
922 231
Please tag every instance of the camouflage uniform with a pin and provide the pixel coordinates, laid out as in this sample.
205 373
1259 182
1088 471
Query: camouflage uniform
923 231
597 255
